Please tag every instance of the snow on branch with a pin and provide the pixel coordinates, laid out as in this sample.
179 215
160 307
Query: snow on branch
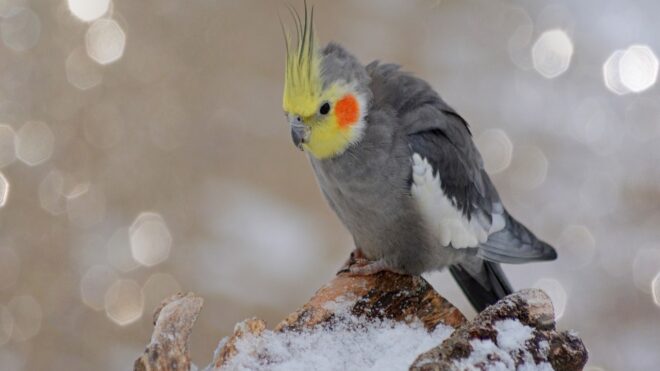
517 333
381 322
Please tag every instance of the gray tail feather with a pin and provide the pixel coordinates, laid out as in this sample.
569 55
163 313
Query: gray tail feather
483 288
515 244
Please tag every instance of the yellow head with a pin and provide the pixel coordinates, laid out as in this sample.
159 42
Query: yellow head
326 113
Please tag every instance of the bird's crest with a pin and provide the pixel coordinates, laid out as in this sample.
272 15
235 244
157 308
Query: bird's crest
302 81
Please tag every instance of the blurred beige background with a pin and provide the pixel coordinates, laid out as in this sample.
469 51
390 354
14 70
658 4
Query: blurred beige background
143 151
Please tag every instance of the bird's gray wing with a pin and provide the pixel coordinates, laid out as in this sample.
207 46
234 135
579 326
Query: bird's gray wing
442 138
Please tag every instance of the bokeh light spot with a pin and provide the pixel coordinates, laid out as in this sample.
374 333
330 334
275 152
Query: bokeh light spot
88 10
76 190
638 68
105 41
655 289
7 145
51 193
577 245
496 149
27 315
150 239
20 29
94 284
119 251
611 74
81 71
34 144
4 190
124 302
552 53
645 267
519 41
556 292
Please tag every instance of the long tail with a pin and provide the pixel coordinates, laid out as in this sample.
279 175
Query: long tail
482 281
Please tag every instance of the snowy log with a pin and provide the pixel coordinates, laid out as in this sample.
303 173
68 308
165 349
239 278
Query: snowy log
384 321
384 296
517 332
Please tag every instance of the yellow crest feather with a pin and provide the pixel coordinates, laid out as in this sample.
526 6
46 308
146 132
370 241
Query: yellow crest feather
302 82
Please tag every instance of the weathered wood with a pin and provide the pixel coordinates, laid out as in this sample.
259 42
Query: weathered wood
173 322
533 308
383 295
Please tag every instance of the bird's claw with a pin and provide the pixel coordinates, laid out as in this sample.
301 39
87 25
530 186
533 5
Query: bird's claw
369 267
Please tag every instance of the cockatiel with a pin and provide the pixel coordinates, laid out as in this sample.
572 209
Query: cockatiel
399 168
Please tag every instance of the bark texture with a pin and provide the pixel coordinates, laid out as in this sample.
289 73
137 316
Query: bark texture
173 322
383 295
227 347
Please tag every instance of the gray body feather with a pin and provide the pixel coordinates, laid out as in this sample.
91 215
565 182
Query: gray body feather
369 185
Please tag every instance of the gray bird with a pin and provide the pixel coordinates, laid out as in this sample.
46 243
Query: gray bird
399 168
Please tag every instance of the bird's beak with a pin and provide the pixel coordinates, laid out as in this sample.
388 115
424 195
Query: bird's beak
299 133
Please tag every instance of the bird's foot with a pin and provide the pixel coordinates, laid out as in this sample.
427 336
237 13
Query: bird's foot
356 255
358 265
369 267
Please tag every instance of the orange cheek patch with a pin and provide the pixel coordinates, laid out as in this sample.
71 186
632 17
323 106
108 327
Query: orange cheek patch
347 111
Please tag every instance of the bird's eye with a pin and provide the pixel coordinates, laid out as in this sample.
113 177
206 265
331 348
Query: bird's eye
325 108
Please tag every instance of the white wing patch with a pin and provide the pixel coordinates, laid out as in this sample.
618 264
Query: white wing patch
448 224
498 222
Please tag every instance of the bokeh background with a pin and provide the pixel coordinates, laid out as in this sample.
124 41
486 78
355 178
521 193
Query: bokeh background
143 151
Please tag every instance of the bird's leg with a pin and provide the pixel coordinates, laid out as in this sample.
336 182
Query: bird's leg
358 265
